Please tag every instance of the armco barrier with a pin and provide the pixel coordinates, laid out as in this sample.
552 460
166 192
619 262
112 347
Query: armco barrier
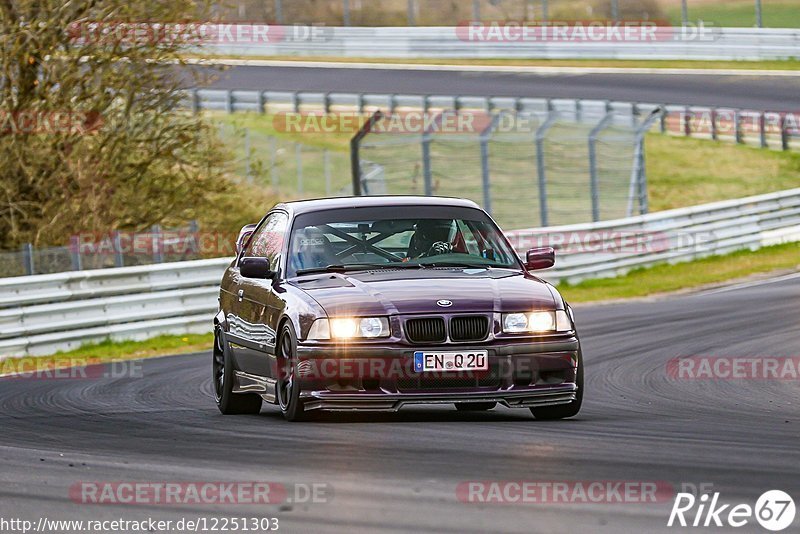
764 128
45 313
612 248
695 42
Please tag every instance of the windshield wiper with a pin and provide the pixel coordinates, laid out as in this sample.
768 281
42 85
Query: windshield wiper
457 264
339 268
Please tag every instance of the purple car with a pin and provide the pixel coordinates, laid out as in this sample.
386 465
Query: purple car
375 303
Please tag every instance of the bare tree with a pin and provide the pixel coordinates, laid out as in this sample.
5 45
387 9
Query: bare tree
91 136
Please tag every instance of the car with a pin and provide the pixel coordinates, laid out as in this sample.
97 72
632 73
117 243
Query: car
382 302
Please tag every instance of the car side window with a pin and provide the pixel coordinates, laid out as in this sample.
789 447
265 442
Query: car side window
268 240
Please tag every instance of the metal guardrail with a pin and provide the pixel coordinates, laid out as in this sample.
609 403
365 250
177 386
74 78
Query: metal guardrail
613 248
447 42
45 313
763 128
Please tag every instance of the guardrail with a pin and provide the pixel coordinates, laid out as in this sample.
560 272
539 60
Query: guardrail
612 248
763 128
45 313
42 314
509 41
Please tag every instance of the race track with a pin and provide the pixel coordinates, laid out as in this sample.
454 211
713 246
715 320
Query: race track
771 93
399 472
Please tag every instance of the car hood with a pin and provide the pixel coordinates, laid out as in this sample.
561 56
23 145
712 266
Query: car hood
404 291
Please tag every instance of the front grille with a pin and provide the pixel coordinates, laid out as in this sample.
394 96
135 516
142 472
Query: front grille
470 328
425 330
456 380
436 382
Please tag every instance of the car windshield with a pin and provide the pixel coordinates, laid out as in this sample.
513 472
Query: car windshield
396 237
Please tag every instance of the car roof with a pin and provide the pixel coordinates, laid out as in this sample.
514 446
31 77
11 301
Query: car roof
306 206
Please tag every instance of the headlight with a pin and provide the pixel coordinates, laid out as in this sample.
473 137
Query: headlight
349 327
536 322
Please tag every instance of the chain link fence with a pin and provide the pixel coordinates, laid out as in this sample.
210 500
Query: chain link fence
112 249
527 169
289 168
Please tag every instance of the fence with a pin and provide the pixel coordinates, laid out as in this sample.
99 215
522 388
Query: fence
44 313
764 128
573 160
525 169
297 170
439 12
112 249
289 168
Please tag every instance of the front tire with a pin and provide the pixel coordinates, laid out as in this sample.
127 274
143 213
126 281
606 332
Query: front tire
562 411
228 402
287 389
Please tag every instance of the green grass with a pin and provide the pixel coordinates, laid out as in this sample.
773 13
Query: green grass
683 172
109 351
788 64
666 278
156 346
741 13
273 164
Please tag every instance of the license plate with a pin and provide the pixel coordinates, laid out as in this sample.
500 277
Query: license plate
475 360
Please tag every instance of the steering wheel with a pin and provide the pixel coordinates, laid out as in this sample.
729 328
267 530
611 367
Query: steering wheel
440 247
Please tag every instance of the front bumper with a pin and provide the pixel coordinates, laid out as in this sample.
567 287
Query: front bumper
381 377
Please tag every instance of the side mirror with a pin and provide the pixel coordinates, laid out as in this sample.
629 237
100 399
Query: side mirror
244 237
256 268
540 258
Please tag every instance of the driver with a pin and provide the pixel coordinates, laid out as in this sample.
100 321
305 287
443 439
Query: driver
431 237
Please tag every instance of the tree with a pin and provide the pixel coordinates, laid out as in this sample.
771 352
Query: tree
91 134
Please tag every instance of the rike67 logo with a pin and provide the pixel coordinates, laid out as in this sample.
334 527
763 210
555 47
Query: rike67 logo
774 510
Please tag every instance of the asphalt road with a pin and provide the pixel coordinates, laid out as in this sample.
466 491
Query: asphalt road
399 472
754 92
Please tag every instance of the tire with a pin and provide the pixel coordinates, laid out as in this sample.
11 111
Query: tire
228 402
475 406
287 388
562 411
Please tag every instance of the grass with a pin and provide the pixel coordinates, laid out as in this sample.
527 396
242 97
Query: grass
788 64
681 171
740 13
110 351
666 278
